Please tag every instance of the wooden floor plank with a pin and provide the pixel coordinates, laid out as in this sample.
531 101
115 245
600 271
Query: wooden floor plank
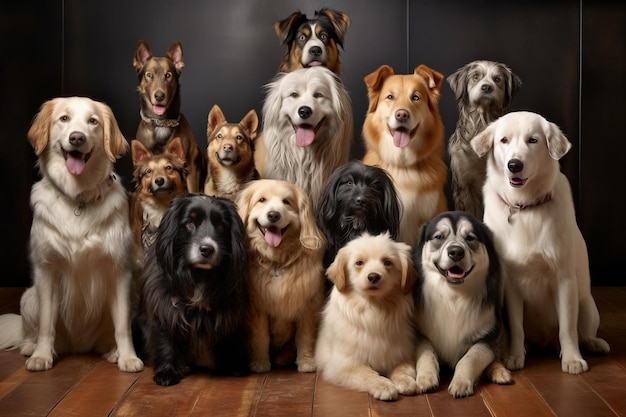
335 401
286 392
518 399
228 396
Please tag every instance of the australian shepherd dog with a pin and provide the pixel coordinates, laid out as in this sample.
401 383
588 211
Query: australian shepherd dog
312 42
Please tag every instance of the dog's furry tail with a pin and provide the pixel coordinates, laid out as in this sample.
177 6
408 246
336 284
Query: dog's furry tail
11 331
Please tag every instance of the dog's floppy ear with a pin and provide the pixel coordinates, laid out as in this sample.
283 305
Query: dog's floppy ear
142 54
250 123
285 28
513 84
483 142
433 80
337 272
175 53
139 152
39 132
340 22
409 275
244 203
115 144
374 82
215 118
558 144
310 235
458 82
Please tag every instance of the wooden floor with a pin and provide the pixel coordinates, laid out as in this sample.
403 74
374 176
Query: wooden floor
85 385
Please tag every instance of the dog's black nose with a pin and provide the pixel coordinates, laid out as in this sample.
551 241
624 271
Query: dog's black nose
77 138
360 200
373 277
515 165
402 115
159 181
159 96
273 216
315 51
486 88
305 112
456 253
207 250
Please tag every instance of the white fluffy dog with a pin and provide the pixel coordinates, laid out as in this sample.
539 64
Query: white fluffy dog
529 208
307 129
80 241
366 340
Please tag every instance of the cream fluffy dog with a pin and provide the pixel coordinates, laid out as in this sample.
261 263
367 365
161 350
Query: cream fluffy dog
367 340
285 249
529 208
80 241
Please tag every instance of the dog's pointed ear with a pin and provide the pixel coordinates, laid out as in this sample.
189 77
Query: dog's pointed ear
558 144
142 54
483 142
433 80
374 82
340 22
458 82
284 28
39 132
139 152
216 117
409 274
250 123
337 272
175 147
175 53
115 144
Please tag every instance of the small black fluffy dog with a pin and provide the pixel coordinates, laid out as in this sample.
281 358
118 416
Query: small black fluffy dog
193 298
358 198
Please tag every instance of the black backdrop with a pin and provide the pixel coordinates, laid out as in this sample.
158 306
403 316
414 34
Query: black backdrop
569 54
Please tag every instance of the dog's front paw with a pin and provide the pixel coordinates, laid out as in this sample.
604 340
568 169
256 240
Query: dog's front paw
405 384
383 389
260 367
38 363
497 373
461 387
28 348
167 378
427 382
574 366
514 362
596 345
307 365
130 364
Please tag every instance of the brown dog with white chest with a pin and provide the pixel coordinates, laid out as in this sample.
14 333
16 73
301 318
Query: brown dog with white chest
161 119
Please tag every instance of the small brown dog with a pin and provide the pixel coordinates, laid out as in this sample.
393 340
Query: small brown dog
403 134
161 119
230 153
158 179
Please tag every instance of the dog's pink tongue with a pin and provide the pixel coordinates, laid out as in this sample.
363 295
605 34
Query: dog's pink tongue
158 109
273 236
75 165
401 137
304 136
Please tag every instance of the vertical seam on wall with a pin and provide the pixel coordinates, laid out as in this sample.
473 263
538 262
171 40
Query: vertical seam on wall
63 47
408 37
580 113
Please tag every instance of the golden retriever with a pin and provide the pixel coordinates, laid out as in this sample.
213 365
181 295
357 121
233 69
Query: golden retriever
285 250
80 241
366 340
529 208
403 134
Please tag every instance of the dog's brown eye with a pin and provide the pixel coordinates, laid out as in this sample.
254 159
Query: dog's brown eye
149 75
497 79
318 95
323 37
168 75
504 140
389 96
262 200
64 118
359 263
239 138
219 136
148 171
302 38
169 168
387 263
92 121
415 97
532 140
294 95
286 202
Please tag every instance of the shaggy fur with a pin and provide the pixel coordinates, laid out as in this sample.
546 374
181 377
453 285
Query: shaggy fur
367 340
307 129
80 242
529 208
230 153
285 250
161 119
312 42
458 302
358 198
403 134
484 90
193 301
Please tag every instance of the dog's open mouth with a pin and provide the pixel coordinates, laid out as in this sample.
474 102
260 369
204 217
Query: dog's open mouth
162 189
158 109
314 64
273 235
455 275
402 136
227 160
305 133
517 182
76 161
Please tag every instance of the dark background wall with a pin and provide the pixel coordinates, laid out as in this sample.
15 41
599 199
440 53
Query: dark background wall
569 54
